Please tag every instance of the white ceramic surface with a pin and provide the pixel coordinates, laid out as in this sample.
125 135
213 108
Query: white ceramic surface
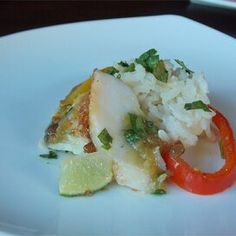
229 4
38 68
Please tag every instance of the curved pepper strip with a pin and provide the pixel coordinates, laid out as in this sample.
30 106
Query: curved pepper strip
198 182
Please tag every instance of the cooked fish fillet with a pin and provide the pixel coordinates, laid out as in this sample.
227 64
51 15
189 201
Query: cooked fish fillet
69 127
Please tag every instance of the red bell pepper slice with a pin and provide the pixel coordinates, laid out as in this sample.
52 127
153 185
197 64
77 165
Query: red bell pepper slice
199 182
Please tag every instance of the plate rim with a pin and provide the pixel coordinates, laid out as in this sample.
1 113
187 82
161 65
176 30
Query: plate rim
216 3
68 24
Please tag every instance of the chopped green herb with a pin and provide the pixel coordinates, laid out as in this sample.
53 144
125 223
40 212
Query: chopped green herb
130 68
50 155
140 129
151 128
197 105
131 136
112 71
137 131
160 192
221 149
160 72
148 60
184 67
123 63
160 183
137 122
105 139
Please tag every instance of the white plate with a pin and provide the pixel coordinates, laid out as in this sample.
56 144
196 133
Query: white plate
38 68
230 4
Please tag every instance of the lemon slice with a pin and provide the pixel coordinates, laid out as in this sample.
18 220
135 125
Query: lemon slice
83 175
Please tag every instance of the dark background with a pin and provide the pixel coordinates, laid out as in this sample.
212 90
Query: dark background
16 16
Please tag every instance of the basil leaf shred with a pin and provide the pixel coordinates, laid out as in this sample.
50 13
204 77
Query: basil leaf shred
184 67
197 105
127 67
49 155
105 138
160 191
130 68
148 59
160 72
123 64
140 129
151 62
112 71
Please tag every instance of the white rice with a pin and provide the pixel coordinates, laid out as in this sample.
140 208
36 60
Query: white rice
163 103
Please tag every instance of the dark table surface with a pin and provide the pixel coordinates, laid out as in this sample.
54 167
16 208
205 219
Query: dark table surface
16 16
